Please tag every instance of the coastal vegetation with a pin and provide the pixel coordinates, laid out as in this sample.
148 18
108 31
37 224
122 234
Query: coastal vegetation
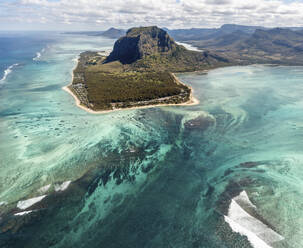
118 90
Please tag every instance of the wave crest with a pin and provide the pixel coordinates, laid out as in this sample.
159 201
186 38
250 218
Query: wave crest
39 54
8 71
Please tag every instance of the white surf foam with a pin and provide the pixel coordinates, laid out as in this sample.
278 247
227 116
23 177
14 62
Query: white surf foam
7 71
258 234
63 186
29 202
189 47
3 203
23 213
105 53
44 188
38 55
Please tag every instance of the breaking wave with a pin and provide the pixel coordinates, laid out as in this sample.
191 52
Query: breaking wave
38 55
63 186
23 213
29 202
8 71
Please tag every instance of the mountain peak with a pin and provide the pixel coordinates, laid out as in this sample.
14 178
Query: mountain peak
140 42
112 29
113 33
144 30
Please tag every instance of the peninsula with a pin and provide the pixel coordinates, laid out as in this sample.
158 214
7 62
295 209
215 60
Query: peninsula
139 72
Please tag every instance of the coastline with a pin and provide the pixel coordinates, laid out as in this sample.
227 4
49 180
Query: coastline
192 100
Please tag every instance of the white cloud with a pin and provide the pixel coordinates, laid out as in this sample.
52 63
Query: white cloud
91 14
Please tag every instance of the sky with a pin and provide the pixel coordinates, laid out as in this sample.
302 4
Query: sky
81 15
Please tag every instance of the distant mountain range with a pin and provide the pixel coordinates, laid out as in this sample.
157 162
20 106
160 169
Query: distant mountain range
195 34
209 33
240 44
180 34
276 46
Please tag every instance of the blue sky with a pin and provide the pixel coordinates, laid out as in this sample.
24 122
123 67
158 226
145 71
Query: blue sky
101 14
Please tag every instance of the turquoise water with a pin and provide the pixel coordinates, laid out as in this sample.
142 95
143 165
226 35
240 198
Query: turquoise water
158 177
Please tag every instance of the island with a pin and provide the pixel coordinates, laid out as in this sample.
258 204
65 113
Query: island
139 72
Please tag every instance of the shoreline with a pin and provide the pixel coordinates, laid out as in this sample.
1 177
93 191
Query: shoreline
191 102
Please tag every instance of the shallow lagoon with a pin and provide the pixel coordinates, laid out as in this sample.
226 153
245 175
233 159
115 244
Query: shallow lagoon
158 177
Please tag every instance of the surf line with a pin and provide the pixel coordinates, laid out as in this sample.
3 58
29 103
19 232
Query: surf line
7 72
39 54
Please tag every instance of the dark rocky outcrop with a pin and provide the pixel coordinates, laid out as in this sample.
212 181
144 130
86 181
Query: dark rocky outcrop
141 42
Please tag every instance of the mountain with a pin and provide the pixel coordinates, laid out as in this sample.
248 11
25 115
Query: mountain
188 35
224 41
278 46
230 28
152 48
191 34
199 34
140 42
113 33
278 40
205 34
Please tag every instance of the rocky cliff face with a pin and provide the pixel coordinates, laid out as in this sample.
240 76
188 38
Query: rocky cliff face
141 42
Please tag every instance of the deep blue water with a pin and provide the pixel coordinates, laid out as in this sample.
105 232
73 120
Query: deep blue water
21 47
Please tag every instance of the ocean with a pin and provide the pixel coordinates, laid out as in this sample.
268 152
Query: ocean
224 173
